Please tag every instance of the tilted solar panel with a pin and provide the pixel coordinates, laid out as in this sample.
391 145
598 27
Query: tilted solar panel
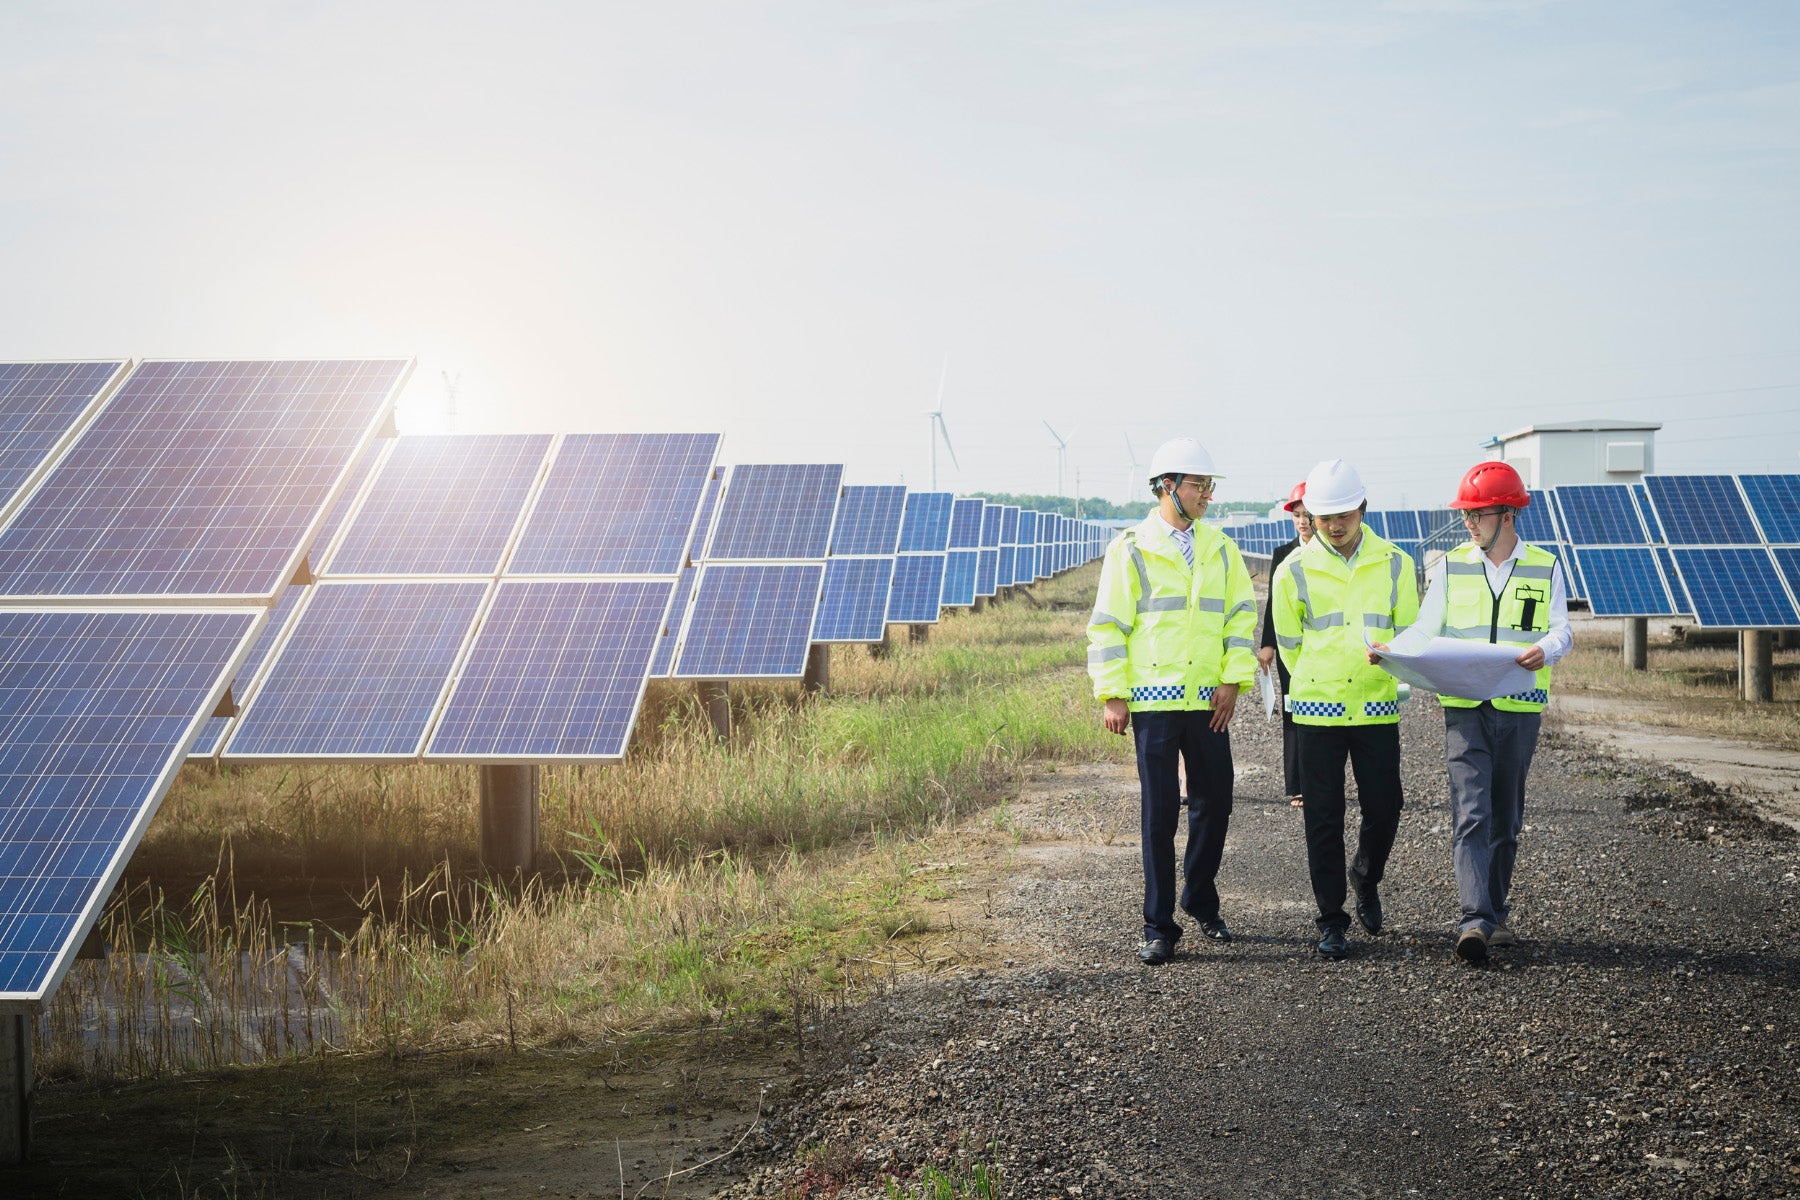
663 660
854 605
1624 581
965 524
1025 565
199 479
617 504
986 571
1775 502
1376 521
959 578
917 596
1009 525
97 710
1402 524
776 510
868 520
1735 587
992 517
1702 510
362 673
1787 560
1534 522
1003 570
1600 514
750 621
927 525
43 405
1665 558
443 505
1640 495
557 670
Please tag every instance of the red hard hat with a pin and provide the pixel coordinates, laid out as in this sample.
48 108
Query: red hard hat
1295 496
1491 483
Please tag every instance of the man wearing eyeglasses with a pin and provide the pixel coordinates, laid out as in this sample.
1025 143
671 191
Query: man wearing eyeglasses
1170 643
1494 588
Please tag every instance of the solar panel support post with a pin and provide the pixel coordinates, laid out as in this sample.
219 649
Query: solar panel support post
980 604
880 649
715 700
509 817
1634 646
1756 665
15 1093
918 635
817 676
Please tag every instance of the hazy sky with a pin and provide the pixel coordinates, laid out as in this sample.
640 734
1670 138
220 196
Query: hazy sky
1378 230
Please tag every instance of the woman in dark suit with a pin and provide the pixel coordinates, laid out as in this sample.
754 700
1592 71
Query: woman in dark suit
1290 752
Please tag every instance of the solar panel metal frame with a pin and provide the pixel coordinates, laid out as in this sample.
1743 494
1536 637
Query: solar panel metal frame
1712 612
59 446
878 620
961 570
739 482
694 606
1774 501
380 417
1608 586
31 1003
865 527
704 512
920 531
1724 512
928 596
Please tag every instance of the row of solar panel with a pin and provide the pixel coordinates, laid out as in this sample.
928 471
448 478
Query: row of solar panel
1722 549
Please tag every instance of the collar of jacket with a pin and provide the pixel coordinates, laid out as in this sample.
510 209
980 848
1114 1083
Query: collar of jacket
1374 549
1153 537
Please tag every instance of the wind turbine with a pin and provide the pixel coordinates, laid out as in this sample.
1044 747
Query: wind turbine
1062 456
938 426
1137 470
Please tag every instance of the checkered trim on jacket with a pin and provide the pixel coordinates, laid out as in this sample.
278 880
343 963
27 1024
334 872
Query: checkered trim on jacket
1381 708
1535 696
1149 695
1315 708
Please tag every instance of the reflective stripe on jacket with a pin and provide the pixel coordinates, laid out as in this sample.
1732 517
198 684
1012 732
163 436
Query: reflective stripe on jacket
1163 636
1321 608
1519 615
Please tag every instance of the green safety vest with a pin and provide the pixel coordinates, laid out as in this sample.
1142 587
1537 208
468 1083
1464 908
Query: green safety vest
1321 608
1519 615
1162 636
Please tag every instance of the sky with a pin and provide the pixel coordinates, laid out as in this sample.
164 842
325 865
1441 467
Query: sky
1378 231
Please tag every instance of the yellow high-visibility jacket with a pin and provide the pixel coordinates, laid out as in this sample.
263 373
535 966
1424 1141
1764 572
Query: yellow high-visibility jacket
1519 616
1163 636
1321 608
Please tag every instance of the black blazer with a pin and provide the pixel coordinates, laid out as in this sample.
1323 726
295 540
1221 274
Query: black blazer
1268 634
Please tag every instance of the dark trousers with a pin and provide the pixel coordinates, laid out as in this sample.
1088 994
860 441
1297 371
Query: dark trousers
1162 738
1489 752
1374 754
1290 740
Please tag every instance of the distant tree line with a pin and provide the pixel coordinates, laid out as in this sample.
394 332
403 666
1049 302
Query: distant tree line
1095 509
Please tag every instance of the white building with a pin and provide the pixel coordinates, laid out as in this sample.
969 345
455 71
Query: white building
1578 452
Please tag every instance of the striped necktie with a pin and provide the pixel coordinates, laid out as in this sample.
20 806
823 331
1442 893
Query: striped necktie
1185 539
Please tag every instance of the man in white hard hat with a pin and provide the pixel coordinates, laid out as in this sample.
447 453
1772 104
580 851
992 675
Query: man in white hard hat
1346 581
1170 643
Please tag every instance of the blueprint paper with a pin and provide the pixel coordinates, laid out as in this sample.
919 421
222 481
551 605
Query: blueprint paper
1456 667
1265 687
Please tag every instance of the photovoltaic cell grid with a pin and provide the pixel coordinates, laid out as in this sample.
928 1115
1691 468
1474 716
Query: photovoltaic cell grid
776 511
98 708
1401 524
1535 522
41 405
1624 581
868 520
664 660
1003 571
197 479
959 578
1735 587
557 670
1600 514
750 621
1775 502
986 570
362 672
927 525
618 504
965 524
1787 561
1702 510
445 505
992 516
1647 511
853 607
917 595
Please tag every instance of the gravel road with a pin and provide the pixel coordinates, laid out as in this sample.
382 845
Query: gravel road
1641 1040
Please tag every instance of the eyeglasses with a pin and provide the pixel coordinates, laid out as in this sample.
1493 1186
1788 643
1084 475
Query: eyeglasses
1471 517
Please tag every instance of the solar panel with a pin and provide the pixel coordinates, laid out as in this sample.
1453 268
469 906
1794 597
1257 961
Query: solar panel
1025 565
617 504
1787 560
1535 522
664 658
917 595
1003 570
776 510
992 516
854 605
959 578
1665 558
43 405
443 505
927 524
1600 514
197 479
868 520
1624 581
557 670
986 569
1400 523
1009 525
97 709
965 524
1775 502
362 673
1702 510
1735 587
750 621
1647 512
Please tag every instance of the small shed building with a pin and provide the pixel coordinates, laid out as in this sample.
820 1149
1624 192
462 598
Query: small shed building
1578 452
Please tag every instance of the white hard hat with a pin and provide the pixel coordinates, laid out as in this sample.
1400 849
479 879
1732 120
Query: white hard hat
1181 456
1333 487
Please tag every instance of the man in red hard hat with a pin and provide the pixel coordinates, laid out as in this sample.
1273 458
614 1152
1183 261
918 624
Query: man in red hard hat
1290 742
1494 588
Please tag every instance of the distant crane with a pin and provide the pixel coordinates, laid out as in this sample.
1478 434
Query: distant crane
452 389
1062 455
939 428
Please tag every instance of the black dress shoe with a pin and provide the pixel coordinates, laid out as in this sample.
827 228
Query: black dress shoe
1156 952
1472 948
1216 929
1368 901
1333 943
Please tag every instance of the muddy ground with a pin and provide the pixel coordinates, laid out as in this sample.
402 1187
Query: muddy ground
1644 1039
